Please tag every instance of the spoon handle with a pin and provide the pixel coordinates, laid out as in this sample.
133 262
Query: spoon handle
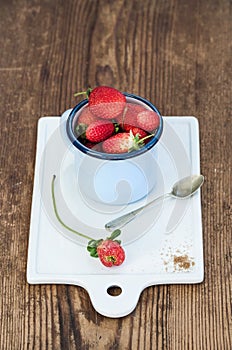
126 218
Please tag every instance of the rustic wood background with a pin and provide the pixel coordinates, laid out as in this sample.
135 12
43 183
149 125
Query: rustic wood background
178 55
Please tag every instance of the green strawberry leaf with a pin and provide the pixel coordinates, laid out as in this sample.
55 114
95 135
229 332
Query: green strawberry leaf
136 138
80 130
92 247
114 234
94 253
116 128
93 243
118 241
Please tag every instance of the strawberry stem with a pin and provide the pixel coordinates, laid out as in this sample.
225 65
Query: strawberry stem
146 137
114 234
87 92
79 93
58 216
93 243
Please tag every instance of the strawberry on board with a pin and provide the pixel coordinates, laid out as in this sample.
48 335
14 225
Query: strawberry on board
106 102
99 130
148 120
110 253
122 142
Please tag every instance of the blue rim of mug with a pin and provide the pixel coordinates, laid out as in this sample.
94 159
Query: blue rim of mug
113 156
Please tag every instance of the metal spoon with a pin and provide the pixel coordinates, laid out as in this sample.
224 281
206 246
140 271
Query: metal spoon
183 188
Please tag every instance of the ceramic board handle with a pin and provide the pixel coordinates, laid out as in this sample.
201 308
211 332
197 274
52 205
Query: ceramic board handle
114 306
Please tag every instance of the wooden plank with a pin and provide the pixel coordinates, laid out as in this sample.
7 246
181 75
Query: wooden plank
178 55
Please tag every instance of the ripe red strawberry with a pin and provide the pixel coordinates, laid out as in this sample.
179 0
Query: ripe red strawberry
86 117
99 131
128 121
134 108
110 253
130 114
135 131
106 102
94 146
120 143
148 120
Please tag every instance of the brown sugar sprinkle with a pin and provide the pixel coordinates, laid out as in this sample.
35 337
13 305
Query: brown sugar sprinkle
182 262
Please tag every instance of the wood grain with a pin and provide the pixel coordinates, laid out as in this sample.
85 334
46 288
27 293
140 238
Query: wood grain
178 55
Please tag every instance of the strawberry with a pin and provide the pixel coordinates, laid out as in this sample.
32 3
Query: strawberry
128 121
106 102
135 131
135 108
148 120
84 120
109 250
110 253
121 143
99 131
94 146
86 117
129 115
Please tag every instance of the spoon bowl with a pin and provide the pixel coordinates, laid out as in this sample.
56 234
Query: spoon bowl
187 186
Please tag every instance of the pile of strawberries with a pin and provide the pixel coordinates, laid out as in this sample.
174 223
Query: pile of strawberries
110 124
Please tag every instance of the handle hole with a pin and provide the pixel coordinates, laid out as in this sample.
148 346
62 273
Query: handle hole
114 291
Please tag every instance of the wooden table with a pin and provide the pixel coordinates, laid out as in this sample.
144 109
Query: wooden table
176 54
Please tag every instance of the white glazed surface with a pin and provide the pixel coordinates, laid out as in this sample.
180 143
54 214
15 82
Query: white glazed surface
52 258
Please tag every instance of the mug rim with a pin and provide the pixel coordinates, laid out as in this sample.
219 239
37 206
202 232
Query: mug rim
112 156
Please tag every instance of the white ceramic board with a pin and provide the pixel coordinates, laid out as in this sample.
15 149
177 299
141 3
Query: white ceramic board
163 245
